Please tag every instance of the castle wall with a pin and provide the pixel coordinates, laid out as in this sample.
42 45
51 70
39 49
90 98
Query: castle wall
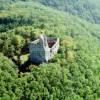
40 51
37 53
54 49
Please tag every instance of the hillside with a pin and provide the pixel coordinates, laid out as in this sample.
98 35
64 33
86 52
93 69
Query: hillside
73 74
86 9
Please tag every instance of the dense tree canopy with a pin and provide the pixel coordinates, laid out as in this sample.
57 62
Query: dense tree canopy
86 9
74 72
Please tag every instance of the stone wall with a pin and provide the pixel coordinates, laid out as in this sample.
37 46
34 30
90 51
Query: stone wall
40 51
37 53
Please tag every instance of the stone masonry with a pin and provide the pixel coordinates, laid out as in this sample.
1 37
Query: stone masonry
43 49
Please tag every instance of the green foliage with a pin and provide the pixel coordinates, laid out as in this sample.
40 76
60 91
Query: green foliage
86 9
73 74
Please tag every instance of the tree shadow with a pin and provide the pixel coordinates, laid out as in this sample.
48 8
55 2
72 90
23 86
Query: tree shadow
25 67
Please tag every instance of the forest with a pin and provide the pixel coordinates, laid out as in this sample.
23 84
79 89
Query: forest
74 72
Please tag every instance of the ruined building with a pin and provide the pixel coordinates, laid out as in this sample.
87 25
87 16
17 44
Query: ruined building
43 49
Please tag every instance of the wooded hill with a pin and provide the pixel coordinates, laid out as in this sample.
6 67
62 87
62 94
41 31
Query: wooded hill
73 74
87 9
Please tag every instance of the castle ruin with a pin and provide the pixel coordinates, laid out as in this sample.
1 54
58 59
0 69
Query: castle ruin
43 49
